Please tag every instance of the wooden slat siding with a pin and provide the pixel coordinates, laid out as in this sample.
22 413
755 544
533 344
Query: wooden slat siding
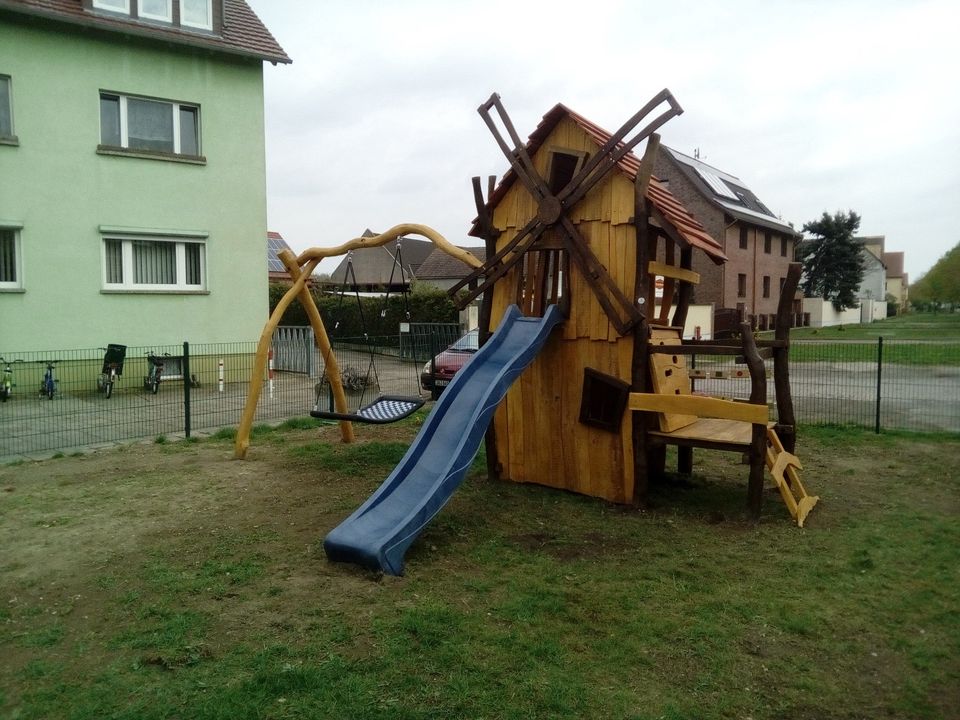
600 244
517 424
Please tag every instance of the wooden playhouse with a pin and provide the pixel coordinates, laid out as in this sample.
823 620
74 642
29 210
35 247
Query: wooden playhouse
578 221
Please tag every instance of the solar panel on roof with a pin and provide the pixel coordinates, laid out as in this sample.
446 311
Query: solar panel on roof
274 246
716 184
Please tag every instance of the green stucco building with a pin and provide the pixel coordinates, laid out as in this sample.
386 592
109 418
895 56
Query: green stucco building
132 178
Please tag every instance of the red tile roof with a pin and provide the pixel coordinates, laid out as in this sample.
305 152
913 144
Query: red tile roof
673 211
242 34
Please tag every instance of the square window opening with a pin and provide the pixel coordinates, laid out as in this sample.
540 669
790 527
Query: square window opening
197 14
603 400
564 165
6 107
10 273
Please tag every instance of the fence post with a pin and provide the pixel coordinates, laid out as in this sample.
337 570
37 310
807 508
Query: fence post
879 374
186 388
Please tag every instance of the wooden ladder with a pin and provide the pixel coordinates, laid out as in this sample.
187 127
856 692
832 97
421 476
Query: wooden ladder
784 467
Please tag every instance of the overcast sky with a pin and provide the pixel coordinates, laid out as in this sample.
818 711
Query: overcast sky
816 106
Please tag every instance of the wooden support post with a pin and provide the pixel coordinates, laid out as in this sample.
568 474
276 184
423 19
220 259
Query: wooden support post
331 366
686 290
758 442
640 371
242 440
489 233
786 420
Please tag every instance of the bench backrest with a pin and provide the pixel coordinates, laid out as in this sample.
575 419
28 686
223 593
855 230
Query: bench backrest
669 376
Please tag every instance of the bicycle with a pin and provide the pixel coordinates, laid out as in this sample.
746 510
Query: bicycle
48 386
7 384
152 381
112 368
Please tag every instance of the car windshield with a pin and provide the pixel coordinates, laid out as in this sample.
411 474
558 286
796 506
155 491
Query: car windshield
468 343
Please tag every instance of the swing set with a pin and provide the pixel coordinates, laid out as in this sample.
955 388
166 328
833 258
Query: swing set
386 408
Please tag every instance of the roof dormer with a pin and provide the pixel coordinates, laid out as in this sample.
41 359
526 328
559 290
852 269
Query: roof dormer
200 16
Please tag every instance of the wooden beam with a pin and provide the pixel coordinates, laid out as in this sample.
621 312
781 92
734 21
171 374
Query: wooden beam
706 407
672 271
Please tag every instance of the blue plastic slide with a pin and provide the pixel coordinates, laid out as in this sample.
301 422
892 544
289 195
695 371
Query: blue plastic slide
378 534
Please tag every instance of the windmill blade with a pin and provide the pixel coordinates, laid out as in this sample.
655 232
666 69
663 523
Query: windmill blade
517 156
615 149
618 308
494 268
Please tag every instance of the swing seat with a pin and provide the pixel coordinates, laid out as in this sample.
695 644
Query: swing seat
385 409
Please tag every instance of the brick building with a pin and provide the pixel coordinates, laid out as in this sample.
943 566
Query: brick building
758 245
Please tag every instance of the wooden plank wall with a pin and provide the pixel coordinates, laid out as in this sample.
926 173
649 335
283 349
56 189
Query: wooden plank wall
539 436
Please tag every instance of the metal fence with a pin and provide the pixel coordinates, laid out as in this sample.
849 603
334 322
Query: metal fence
881 385
203 387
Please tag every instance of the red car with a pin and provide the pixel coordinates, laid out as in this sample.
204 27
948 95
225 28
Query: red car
438 373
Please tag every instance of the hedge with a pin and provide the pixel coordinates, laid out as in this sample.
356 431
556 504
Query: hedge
425 304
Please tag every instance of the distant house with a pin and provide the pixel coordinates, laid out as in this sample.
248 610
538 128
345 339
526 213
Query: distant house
132 176
383 268
896 283
443 271
873 285
758 245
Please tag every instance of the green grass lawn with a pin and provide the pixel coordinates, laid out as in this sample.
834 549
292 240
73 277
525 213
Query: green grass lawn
169 581
912 326
913 339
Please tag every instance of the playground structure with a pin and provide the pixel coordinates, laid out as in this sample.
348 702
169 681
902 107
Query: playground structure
576 234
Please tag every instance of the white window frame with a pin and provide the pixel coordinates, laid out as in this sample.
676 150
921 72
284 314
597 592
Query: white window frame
168 17
8 84
175 107
17 283
126 253
112 7
209 23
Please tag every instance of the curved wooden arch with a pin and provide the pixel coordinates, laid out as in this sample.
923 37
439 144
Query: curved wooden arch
300 269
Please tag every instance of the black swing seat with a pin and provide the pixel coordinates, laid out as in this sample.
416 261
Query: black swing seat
385 409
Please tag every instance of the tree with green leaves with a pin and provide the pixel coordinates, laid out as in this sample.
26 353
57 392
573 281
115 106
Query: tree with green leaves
941 284
832 261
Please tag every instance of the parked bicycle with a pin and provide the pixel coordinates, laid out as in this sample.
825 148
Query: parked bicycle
152 381
48 386
7 384
112 368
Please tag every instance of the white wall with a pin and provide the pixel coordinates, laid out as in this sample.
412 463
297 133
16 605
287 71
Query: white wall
697 316
873 310
823 314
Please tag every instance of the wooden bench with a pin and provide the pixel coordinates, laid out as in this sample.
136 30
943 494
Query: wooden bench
693 421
